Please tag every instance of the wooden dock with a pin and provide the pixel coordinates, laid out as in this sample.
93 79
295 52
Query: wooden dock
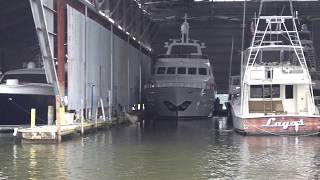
50 133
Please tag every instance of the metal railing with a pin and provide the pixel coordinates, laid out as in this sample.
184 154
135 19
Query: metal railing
202 85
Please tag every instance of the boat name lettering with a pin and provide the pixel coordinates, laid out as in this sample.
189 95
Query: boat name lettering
272 122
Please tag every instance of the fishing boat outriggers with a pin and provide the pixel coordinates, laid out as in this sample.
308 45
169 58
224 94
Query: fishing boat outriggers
276 89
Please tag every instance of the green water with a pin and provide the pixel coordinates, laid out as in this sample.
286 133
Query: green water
197 149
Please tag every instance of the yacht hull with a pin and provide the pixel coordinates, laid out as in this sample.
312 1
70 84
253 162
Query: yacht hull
276 125
15 108
179 102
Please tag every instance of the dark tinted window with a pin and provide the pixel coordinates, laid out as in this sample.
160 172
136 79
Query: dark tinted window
182 70
289 91
275 91
171 70
271 91
256 91
192 70
269 74
316 92
26 78
236 82
161 70
266 91
202 71
183 49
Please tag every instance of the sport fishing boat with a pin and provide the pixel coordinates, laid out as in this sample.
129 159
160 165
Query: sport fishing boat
182 85
276 87
21 90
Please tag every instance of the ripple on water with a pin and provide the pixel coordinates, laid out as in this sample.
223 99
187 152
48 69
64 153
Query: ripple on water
187 150
3 176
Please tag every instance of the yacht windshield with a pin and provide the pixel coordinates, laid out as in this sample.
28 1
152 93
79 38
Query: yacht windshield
25 78
192 70
202 71
182 70
183 49
161 70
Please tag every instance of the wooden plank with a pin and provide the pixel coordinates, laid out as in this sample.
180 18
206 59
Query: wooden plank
44 133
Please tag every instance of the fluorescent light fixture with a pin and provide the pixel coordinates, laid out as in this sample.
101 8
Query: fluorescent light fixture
111 20
221 0
286 0
247 0
106 16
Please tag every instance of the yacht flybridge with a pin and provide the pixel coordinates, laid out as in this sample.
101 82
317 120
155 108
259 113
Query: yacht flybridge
276 89
182 85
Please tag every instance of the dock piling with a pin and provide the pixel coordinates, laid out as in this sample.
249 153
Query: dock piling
81 116
33 117
50 115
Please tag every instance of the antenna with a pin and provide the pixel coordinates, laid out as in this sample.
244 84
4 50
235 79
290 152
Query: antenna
185 30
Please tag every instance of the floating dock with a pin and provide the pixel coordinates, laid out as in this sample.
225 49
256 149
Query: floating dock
52 133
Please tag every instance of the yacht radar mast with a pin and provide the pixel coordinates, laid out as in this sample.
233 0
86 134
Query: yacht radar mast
185 30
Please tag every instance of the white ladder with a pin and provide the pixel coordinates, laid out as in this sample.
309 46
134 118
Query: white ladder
38 9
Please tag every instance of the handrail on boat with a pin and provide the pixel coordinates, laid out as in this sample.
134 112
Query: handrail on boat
202 85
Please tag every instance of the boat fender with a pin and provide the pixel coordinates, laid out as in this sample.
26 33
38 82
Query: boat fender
31 65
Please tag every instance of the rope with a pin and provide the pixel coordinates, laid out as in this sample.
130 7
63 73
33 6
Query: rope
302 135
26 111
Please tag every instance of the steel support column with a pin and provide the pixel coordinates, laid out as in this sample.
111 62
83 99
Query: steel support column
61 61
60 45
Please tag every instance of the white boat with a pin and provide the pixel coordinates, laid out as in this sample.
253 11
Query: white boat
21 90
234 85
182 85
276 87
234 91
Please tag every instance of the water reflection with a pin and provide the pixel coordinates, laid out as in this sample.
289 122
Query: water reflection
188 149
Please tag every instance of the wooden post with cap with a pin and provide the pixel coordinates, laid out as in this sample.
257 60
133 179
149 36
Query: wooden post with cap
61 61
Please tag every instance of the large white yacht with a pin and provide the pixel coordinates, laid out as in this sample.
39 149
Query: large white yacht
21 90
182 85
276 87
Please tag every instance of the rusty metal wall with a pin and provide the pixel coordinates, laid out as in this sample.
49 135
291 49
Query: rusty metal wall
89 65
